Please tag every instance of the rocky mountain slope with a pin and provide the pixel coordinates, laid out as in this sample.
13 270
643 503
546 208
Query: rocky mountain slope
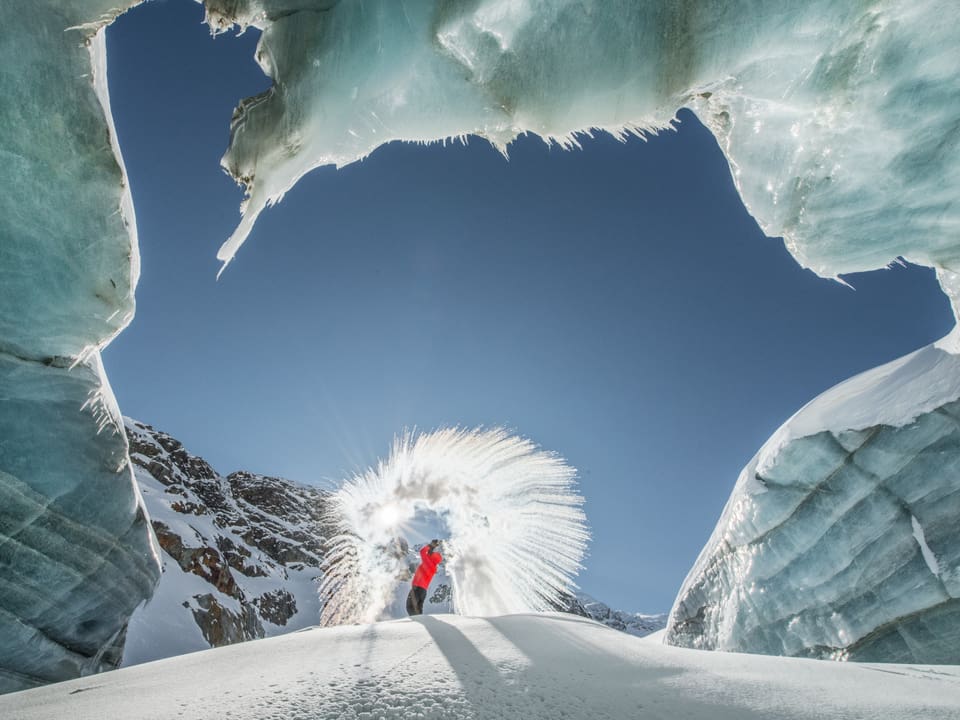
637 624
242 555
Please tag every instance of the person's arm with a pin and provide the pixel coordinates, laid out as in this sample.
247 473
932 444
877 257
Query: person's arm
424 553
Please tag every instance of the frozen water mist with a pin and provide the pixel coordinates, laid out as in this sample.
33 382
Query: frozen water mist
517 532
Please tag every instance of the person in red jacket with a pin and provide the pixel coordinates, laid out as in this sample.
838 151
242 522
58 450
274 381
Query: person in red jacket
429 559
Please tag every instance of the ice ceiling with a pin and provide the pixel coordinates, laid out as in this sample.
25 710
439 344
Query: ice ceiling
840 120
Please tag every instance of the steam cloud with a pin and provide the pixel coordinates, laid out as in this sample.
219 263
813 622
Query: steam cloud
517 532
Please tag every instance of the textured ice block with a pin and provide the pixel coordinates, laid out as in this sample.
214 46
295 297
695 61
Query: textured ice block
68 252
841 539
76 553
75 550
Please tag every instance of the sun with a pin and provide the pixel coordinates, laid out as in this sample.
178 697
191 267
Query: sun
388 517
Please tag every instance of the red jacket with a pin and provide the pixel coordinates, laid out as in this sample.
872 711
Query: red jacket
428 567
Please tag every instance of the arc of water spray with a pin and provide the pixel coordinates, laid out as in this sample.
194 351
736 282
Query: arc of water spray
517 528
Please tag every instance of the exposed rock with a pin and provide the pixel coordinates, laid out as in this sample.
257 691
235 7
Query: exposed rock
241 553
277 606
222 626
238 557
203 561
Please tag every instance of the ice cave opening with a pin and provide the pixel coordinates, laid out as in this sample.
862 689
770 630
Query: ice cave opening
840 128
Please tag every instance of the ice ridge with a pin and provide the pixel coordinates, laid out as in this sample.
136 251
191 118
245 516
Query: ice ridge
839 119
841 541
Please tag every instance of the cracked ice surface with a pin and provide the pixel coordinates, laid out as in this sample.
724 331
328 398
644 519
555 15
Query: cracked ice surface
76 551
75 547
840 539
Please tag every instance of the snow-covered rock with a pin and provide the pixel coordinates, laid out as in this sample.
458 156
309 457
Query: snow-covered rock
841 538
241 553
447 667
634 623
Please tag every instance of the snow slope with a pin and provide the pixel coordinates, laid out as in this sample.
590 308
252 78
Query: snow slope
241 553
518 666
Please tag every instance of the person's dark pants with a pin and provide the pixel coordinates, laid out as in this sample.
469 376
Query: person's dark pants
415 600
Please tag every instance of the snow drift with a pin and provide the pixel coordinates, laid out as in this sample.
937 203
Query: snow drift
520 666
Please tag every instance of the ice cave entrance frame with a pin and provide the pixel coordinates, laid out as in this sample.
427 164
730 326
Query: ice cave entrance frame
117 100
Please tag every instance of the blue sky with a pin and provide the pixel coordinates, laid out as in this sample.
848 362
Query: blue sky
617 305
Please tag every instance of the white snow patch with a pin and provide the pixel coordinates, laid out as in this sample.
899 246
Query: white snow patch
521 666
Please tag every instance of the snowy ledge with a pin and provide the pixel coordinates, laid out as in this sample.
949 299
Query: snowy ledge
894 394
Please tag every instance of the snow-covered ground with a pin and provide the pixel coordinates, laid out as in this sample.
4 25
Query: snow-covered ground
517 666
241 553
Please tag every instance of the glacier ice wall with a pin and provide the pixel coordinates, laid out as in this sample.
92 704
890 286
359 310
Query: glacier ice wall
840 539
840 120
69 258
75 549
516 530
76 553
